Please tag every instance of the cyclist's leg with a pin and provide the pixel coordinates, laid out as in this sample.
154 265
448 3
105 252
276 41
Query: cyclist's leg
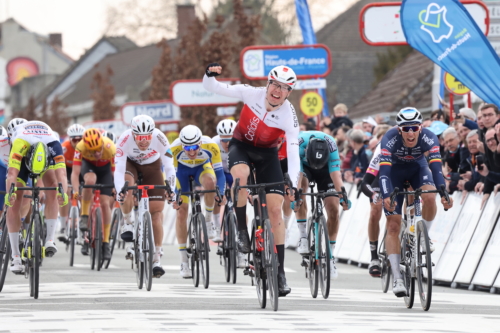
181 228
64 210
301 214
217 208
104 176
426 182
89 178
51 210
127 231
206 177
287 210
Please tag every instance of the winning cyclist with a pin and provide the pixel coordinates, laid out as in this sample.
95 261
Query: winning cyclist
198 156
144 150
402 159
26 134
266 115
320 162
75 134
94 161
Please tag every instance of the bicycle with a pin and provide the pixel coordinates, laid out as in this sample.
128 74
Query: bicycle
33 251
116 222
198 248
263 257
227 249
144 245
5 250
317 261
94 235
385 266
73 234
416 263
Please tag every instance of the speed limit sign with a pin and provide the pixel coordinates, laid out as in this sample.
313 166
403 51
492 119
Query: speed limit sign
311 104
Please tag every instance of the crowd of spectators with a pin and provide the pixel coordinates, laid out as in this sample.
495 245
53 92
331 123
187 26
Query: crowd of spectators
470 145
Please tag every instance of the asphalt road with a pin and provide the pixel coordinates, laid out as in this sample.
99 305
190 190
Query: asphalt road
77 299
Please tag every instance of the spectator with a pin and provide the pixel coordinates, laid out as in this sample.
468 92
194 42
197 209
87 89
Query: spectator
468 114
307 126
369 124
438 127
340 118
492 143
379 129
489 165
346 156
360 161
451 158
358 125
427 122
468 178
441 116
480 120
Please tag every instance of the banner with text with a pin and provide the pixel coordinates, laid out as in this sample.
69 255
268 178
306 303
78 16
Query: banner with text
160 111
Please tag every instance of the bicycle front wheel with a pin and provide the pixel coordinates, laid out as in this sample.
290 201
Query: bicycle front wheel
73 233
113 235
204 249
424 266
139 263
148 249
226 244
385 266
271 263
324 256
255 262
98 238
312 267
193 253
233 251
36 255
409 281
5 251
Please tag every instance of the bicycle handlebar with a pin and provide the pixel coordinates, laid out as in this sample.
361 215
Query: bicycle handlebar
442 191
342 193
286 182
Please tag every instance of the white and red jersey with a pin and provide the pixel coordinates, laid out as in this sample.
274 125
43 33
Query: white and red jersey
375 162
257 126
127 148
223 154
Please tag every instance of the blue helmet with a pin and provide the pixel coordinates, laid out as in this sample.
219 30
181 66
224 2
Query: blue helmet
409 116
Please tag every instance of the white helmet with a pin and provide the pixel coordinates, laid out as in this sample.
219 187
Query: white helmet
3 131
283 74
226 127
75 130
56 135
409 116
190 135
14 123
142 124
110 135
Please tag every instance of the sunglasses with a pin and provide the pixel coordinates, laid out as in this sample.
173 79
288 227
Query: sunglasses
146 137
225 140
76 139
410 128
191 147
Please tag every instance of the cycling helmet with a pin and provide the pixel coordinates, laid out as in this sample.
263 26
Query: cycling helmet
37 158
190 135
13 124
142 125
56 135
283 74
3 131
75 130
110 135
92 138
409 116
317 153
226 127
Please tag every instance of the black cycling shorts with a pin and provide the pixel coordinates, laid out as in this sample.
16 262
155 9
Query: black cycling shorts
265 160
103 173
284 165
321 177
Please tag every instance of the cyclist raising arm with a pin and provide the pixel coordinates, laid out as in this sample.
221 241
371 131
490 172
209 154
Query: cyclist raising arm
266 115
142 150
402 159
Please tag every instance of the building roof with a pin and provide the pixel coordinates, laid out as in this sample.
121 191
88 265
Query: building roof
353 60
408 84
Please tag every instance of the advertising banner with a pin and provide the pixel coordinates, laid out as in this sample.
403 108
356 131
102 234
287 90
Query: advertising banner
490 261
445 32
161 111
192 93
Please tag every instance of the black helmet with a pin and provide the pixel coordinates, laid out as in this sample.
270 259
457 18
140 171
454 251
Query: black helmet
37 158
317 153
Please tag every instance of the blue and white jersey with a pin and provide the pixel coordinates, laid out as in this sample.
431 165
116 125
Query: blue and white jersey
4 150
304 137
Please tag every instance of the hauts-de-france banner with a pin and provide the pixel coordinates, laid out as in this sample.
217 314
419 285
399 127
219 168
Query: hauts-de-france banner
445 32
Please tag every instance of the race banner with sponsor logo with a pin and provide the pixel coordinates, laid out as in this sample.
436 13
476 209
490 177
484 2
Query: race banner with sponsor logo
445 32
192 93
161 111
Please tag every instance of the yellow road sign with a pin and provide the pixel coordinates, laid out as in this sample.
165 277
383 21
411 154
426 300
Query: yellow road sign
454 86
311 104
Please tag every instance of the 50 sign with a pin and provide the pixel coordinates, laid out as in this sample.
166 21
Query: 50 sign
311 104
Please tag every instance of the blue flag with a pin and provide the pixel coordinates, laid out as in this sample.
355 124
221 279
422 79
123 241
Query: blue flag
309 37
445 32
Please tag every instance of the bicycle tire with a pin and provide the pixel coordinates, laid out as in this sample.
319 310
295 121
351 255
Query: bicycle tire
424 268
233 251
139 264
226 248
409 282
193 253
73 234
258 279
148 250
5 251
385 266
98 238
90 237
115 225
271 264
36 254
312 267
204 249
324 258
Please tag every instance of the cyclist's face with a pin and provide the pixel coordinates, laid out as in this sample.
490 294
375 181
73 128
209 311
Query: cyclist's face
192 154
224 142
98 153
410 138
74 141
276 93
143 141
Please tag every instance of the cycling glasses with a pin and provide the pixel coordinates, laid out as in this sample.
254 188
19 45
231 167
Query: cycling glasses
414 128
76 139
143 137
225 140
191 147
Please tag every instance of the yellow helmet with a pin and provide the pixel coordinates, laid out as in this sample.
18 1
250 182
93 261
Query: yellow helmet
92 138
37 158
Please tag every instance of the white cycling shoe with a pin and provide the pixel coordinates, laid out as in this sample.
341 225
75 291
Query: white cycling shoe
334 274
214 234
399 288
17 266
185 271
303 248
127 232
50 248
242 260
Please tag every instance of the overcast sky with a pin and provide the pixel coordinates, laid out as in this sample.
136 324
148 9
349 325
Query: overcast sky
82 22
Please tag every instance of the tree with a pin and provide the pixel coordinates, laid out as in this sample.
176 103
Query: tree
59 120
389 60
103 94
162 74
28 112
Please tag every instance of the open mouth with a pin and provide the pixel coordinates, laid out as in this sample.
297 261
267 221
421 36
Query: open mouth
411 140
275 97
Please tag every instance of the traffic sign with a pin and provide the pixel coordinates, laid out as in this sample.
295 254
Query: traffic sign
454 86
311 104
